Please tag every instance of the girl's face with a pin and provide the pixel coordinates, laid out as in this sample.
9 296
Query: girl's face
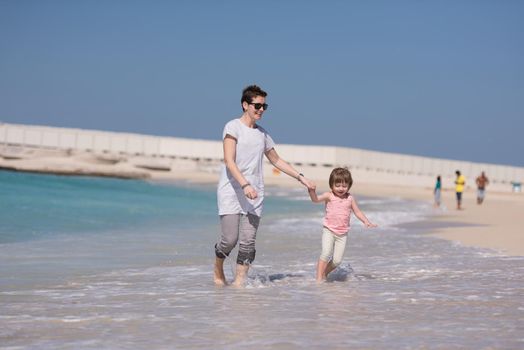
340 189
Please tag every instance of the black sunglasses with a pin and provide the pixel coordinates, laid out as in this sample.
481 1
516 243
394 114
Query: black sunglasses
259 105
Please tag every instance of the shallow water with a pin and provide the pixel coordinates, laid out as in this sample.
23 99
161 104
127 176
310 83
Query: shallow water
151 287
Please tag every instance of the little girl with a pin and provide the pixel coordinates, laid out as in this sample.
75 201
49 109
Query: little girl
339 205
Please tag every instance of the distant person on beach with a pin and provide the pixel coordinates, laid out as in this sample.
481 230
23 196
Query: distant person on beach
339 206
481 181
436 191
240 192
460 182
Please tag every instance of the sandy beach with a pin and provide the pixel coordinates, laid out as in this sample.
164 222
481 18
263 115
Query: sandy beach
497 224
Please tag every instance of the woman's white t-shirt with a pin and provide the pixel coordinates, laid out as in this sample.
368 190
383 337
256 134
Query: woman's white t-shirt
252 143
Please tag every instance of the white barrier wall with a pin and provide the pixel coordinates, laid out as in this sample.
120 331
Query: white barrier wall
385 167
308 154
107 142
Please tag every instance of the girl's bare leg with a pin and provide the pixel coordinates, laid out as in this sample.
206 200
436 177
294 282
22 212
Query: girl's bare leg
321 270
329 268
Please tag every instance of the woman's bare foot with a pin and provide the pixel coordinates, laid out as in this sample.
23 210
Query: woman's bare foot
240 276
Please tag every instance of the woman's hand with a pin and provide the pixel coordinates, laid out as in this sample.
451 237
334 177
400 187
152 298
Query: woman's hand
250 192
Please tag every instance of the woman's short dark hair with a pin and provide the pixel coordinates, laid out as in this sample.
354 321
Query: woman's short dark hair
340 175
250 92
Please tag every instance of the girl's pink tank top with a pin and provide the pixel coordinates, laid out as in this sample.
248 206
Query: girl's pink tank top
338 212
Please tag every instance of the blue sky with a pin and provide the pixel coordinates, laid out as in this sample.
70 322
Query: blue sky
433 78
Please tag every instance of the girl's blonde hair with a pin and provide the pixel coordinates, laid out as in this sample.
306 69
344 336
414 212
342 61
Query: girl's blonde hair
340 175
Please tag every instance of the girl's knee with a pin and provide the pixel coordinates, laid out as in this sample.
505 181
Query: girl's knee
325 258
336 262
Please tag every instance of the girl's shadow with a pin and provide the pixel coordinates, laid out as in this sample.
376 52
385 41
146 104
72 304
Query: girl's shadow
345 272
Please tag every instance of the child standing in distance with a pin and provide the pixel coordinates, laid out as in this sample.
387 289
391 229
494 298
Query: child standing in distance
339 205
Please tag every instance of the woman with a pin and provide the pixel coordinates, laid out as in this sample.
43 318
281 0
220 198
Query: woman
240 190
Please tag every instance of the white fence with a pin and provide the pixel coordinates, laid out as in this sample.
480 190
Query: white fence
107 142
385 164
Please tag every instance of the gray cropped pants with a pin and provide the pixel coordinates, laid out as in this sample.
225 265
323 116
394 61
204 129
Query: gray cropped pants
239 228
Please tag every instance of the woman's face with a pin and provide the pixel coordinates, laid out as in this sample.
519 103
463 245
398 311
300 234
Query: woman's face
253 113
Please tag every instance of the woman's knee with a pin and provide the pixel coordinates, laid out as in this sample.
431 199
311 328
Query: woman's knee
246 254
229 237
224 247
247 238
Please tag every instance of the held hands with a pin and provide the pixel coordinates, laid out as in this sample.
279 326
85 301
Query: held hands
251 193
309 184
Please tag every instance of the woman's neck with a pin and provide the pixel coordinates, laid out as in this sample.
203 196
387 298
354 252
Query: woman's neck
247 120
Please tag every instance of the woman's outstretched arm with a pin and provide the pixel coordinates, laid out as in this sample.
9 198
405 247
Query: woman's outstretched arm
286 168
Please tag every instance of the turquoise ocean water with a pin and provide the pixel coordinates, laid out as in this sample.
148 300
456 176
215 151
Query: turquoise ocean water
97 263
